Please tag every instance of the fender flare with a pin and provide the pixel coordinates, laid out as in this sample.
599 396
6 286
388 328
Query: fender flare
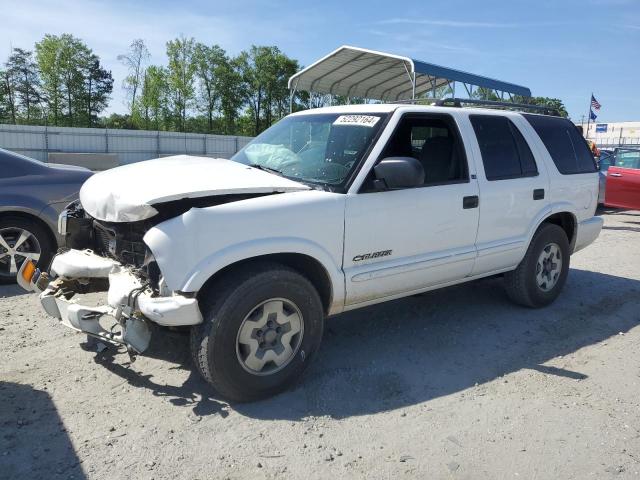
209 266
549 210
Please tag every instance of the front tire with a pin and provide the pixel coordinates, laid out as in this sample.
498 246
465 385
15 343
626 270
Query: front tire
540 276
261 326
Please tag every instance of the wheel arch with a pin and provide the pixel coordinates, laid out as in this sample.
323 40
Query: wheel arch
307 266
565 220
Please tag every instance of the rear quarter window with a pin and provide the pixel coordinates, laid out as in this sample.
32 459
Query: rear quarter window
567 148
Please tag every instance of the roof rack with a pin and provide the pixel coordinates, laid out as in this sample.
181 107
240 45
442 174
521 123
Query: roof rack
457 102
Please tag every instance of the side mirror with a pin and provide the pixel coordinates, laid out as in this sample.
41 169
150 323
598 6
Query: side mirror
398 172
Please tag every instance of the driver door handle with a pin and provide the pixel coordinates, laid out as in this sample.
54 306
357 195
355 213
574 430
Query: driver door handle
470 202
615 174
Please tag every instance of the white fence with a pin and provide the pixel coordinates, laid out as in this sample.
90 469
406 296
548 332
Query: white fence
129 145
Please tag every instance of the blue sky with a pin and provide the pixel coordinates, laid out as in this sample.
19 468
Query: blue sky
558 48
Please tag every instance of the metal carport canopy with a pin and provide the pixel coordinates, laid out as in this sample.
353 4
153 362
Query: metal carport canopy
358 72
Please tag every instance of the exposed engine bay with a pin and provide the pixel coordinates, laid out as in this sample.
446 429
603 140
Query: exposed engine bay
123 241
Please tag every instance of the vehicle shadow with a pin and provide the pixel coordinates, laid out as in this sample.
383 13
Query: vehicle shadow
11 290
172 347
617 211
419 348
624 229
413 350
34 443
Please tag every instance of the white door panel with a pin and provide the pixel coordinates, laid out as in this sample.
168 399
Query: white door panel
429 234
507 208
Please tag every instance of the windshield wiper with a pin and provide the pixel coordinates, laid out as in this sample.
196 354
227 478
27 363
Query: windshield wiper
265 169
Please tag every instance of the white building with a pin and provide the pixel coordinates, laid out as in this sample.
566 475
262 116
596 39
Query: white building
613 133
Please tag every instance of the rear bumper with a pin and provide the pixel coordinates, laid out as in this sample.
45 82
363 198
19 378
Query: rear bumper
588 231
130 305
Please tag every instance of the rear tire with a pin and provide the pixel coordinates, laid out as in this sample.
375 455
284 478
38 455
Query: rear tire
32 240
540 276
241 329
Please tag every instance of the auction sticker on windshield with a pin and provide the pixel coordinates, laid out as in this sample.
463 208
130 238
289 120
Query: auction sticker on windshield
360 120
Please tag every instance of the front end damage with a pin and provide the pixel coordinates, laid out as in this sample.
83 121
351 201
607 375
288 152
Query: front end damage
132 303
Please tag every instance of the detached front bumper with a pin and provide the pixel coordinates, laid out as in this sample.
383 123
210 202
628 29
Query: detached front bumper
131 306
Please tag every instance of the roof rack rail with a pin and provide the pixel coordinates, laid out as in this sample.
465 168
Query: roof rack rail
457 102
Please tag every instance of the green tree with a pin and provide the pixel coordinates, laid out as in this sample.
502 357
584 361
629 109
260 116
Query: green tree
135 60
553 103
3 98
48 59
115 120
8 96
24 84
61 60
153 97
180 78
75 57
265 72
72 79
483 93
98 85
210 63
232 95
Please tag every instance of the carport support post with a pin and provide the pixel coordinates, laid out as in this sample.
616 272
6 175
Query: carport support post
412 79
413 86
292 93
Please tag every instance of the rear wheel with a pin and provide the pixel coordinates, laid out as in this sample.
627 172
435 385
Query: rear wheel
542 273
262 325
22 239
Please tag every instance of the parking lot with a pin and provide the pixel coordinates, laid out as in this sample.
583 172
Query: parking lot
456 383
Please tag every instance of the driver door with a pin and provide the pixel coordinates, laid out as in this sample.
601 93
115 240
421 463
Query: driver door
403 241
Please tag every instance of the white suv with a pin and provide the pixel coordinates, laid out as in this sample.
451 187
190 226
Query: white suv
329 210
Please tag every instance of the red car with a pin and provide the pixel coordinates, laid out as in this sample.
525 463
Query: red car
623 180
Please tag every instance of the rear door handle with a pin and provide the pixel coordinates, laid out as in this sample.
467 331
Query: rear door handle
538 194
615 174
470 202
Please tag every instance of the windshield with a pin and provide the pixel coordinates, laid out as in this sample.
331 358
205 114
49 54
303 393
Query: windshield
316 148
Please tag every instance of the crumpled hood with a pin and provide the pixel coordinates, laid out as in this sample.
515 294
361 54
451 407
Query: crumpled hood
128 193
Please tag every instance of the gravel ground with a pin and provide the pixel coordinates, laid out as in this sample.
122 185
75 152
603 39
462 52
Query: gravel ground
457 383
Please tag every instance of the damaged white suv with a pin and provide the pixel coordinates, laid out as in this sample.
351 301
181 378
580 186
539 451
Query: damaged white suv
329 210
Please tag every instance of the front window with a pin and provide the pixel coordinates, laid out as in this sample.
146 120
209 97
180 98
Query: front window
317 148
628 159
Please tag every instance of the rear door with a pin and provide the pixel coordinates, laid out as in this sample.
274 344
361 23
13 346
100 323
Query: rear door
623 181
513 190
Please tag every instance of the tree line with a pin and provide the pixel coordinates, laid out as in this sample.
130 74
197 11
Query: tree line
200 88
61 82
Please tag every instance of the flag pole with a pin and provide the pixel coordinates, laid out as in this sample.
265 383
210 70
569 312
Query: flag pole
586 134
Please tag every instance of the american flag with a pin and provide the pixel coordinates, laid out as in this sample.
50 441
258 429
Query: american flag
594 103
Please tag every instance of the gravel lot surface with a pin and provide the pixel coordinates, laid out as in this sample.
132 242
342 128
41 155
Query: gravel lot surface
456 383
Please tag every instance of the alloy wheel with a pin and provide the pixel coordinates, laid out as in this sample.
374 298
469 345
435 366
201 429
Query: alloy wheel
269 336
17 245
548 267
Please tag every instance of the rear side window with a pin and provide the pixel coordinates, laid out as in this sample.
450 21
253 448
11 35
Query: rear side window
566 146
505 152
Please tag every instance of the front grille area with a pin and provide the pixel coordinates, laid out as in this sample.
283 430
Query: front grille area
103 237
122 242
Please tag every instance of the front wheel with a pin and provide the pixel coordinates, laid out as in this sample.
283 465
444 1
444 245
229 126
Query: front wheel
543 271
261 327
